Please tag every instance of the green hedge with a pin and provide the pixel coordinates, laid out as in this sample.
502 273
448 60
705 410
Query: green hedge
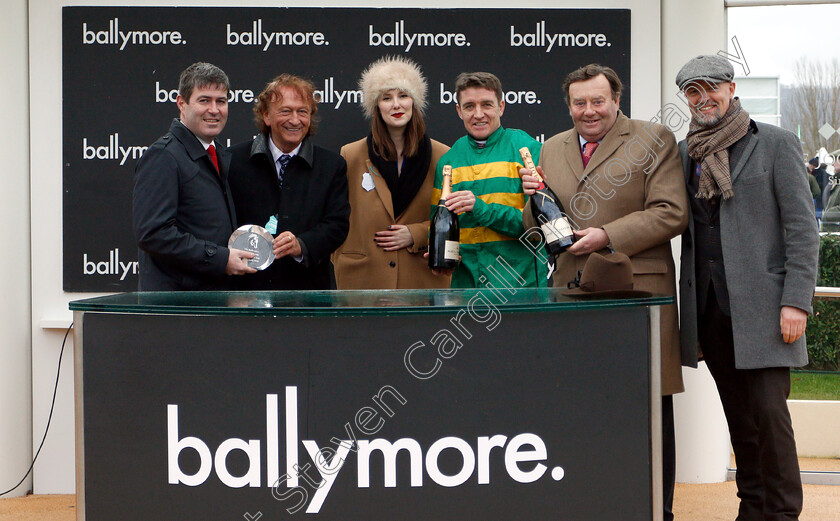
823 331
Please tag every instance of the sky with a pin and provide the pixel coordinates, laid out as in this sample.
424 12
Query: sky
773 38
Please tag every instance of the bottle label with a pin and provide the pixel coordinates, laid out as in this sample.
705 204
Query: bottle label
557 229
451 250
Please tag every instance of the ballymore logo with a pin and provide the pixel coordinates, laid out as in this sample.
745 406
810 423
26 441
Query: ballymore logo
112 151
542 38
402 38
511 97
330 96
524 455
257 36
114 36
112 266
163 95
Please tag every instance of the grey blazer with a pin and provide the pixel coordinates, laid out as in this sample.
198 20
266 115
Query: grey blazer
770 249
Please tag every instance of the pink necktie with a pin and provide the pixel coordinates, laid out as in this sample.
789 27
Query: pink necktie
588 150
211 151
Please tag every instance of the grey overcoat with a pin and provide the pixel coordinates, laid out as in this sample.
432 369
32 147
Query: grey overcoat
770 249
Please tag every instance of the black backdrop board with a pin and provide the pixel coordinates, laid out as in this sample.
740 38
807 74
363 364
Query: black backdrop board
220 372
121 67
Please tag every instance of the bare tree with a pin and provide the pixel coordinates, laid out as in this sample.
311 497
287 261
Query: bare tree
812 102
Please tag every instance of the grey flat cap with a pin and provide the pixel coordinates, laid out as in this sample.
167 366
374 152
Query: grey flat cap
714 69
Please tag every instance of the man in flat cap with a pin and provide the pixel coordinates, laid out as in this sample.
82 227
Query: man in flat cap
748 271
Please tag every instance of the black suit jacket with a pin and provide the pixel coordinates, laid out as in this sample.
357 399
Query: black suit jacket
183 215
313 205
705 229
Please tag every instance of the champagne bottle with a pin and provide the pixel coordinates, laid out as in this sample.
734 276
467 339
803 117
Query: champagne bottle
548 211
444 232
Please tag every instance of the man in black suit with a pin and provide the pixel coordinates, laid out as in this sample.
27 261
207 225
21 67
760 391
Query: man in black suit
281 179
183 212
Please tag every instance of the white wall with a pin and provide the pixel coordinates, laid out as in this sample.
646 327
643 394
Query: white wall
54 470
15 362
689 28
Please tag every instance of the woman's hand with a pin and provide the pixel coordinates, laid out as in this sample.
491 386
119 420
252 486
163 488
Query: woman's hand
396 237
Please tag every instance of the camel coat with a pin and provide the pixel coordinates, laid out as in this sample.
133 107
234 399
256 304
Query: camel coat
640 212
359 262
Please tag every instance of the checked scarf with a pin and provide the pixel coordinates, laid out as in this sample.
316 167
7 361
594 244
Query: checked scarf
709 147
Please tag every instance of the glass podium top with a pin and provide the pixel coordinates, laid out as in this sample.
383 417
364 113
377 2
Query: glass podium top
351 302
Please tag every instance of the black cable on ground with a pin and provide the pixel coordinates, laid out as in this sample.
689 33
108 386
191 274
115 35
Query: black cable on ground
49 419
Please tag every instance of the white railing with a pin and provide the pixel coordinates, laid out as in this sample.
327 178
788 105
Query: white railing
826 291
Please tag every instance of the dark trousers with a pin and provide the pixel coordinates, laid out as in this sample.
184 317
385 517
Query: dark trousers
669 457
755 404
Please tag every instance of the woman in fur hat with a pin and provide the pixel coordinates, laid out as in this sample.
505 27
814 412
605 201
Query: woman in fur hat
390 175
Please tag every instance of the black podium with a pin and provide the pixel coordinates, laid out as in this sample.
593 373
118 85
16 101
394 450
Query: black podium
361 406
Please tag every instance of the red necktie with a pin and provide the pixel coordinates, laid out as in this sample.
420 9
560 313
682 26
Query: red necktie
211 151
588 150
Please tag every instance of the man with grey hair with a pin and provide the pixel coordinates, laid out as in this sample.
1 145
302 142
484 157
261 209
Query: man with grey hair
749 265
183 212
